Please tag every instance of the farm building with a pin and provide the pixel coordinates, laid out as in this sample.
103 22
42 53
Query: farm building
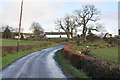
55 34
24 36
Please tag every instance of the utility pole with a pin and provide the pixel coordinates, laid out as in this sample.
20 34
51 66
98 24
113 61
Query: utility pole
20 25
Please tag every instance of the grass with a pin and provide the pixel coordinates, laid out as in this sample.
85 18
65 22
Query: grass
108 54
68 68
6 60
83 45
10 42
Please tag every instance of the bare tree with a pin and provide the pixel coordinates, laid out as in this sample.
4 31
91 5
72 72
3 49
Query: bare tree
86 14
36 28
73 25
64 24
2 29
95 27
68 24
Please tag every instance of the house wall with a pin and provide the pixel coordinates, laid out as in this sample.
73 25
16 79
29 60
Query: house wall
56 36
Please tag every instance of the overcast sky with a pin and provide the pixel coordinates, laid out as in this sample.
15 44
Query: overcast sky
47 11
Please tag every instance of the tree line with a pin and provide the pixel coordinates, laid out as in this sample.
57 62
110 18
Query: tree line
69 23
10 32
80 18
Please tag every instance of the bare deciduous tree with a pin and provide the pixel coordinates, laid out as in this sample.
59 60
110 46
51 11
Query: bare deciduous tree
73 25
64 24
95 27
36 28
86 14
68 24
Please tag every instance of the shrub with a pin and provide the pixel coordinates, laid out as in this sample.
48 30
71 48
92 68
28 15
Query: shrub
93 38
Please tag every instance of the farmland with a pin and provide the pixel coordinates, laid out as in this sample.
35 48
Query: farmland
10 42
108 54
83 45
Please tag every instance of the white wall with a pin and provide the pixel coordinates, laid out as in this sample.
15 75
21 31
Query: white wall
53 36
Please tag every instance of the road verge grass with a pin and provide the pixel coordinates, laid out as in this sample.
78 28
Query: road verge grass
69 70
6 60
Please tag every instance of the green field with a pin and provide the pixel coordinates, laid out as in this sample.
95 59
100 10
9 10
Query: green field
10 42
83 45
108 54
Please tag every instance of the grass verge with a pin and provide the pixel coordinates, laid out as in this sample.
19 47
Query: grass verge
6 60
69 70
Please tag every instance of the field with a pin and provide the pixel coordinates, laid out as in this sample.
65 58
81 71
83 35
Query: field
10 42
108 54
83 45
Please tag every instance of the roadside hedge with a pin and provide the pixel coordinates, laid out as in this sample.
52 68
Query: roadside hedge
6 50
94 67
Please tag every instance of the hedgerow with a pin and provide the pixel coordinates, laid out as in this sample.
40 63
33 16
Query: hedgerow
7 50
94 67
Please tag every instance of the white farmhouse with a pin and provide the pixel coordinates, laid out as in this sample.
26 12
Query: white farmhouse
55 34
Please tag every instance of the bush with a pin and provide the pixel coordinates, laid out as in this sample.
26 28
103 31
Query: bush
112 41
93 38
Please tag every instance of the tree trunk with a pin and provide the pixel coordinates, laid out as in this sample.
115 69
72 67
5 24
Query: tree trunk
71 33
68 36
84 33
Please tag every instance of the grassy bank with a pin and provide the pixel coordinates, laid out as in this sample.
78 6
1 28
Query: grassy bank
6 60
69 70
108 54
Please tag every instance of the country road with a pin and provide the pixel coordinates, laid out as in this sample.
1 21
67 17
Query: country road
40 64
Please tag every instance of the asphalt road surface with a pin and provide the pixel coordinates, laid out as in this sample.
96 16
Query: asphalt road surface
40 64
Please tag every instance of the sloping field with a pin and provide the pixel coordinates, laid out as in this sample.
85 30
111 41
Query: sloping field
108 54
